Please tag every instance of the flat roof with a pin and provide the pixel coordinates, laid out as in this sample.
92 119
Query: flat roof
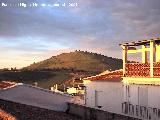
35 96
143 42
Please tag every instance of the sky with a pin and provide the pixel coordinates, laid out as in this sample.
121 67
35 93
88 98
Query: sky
31 34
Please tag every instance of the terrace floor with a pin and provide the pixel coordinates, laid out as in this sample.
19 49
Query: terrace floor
30 95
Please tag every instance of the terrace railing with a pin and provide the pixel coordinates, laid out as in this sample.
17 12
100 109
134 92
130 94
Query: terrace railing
141 69
156 69
142 112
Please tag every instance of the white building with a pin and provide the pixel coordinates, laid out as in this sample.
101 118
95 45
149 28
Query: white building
142 79
105 91
137 95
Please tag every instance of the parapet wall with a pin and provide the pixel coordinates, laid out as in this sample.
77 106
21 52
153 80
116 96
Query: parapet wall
27 112
88 113
74 112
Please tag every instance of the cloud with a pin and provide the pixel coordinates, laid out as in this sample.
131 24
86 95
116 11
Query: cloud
97 26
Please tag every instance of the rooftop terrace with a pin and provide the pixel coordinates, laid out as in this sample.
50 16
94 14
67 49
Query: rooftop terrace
148 67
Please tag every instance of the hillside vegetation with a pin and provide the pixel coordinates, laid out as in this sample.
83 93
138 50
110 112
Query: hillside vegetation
61 68
78 60
44 79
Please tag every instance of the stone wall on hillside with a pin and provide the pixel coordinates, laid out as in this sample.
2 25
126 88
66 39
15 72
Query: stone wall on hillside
26 112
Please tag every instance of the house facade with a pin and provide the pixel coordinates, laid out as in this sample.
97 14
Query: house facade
105 91
142 79
134 90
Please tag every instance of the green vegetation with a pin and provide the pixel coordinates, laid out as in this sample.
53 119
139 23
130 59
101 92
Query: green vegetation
61 68
79 60
44 79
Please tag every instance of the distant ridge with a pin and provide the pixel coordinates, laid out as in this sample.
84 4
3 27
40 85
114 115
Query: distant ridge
78 60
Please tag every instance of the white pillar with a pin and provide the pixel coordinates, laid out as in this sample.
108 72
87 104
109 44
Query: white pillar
152 57
56 87
124 56
158 53
144 54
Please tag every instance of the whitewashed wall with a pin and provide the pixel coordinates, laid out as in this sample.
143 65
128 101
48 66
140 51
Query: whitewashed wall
144 95
109 95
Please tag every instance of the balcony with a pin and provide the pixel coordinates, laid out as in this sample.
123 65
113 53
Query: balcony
141 69
141 112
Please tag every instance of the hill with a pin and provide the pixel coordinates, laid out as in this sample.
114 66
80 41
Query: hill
61 68
78 60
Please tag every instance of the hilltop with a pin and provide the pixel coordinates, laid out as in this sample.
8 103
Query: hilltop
61 68
78 60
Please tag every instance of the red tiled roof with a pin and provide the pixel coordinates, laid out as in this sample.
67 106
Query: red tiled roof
6 116
110 76
5 84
